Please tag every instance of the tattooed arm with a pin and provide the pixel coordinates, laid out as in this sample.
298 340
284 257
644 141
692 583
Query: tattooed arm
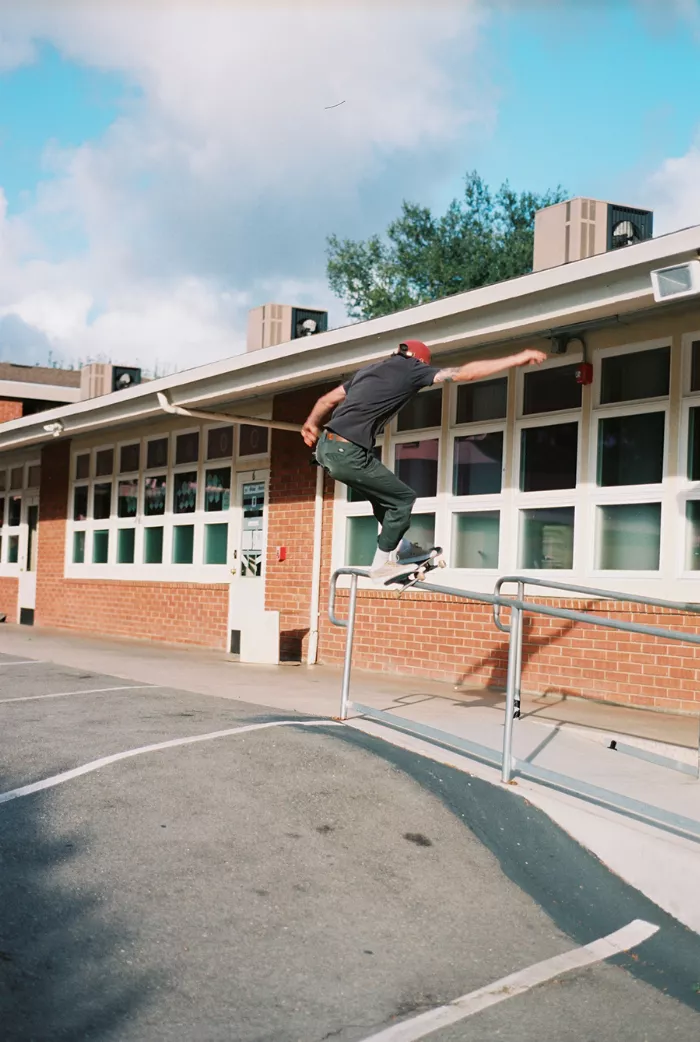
488 367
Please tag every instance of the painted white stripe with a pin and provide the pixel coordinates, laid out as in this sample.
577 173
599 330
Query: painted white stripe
508 987
95 765
87 691
25 662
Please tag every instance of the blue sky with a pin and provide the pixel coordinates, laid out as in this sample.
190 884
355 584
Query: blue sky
164 170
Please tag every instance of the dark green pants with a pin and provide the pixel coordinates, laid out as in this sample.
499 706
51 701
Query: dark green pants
359 469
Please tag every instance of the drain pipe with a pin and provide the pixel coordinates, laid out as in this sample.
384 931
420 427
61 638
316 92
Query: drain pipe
222 417
314 614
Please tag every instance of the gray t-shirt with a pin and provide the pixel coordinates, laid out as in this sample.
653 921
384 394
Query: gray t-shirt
375 394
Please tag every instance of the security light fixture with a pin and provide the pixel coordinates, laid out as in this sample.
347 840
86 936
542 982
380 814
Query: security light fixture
680 280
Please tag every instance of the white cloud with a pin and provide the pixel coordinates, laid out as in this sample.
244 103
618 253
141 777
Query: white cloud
215 189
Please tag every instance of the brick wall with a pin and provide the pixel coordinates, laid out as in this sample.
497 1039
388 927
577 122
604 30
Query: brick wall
8 598
187 613
9 410
290 524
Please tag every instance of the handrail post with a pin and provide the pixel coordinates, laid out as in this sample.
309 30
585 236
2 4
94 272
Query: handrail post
347 664
512 686
519 655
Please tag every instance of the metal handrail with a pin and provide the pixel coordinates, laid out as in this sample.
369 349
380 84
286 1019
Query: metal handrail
518 606
591 591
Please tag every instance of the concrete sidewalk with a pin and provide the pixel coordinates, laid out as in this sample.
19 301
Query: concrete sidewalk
568 736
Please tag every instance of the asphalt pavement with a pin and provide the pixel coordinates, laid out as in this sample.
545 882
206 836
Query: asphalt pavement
291 880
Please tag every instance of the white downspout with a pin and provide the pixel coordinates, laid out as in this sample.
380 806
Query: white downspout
316 561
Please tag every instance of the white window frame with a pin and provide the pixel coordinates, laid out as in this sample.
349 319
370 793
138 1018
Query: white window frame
9 569
167 571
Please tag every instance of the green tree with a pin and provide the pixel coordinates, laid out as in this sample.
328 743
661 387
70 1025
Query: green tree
482 238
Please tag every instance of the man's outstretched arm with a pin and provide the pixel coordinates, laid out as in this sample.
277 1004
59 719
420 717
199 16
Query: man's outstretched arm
311 430
489 367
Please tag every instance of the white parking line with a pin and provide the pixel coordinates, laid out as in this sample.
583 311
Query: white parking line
87 691
25 662
426 1023
95 765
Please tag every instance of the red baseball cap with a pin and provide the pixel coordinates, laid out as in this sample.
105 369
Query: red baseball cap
417 349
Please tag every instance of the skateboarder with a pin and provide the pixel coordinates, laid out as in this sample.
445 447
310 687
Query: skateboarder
359 409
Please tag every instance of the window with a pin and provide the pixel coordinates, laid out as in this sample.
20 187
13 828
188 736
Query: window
695 365
104 463
547 538
13 549
138 505
694 444
252 441
478 464
548 458
629 537
425 410
417 465
551 389
361 541
33 476
187 447
630 376
14 511
17 478
692 543
3 480
482 401
475 539
129 458
631 449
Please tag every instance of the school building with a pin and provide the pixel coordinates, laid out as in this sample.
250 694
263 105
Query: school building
186 509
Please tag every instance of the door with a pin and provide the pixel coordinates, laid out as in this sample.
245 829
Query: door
253 632
28 552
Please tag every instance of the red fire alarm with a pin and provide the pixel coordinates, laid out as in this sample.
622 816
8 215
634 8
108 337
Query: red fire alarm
281 553
584 373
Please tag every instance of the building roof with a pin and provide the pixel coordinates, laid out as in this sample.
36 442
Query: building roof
600 288
39 374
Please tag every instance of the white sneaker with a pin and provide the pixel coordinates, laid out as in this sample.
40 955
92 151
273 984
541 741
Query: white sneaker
384 572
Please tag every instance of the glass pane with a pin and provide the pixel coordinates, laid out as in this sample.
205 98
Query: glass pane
129 458
359 497
487 400
215 544
13 549
2 510
33 477
3 480
128 497
185 492
14 511
548 457
80 503
547 390
126 544
104 463
695 365
692 540
102 504
253 500
425 410
157 453
547 538
220 443
82 466
694 445
253 441
187 447
78 548
17 477
642 374
217 489
417 465
154 495
361 541
422 530
183 544
100 546
478 465
629 537
475 539
152 545
631 449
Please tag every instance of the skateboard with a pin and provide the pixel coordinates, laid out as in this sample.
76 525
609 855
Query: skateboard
416 568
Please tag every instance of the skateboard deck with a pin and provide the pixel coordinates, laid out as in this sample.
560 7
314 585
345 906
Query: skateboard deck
417 568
